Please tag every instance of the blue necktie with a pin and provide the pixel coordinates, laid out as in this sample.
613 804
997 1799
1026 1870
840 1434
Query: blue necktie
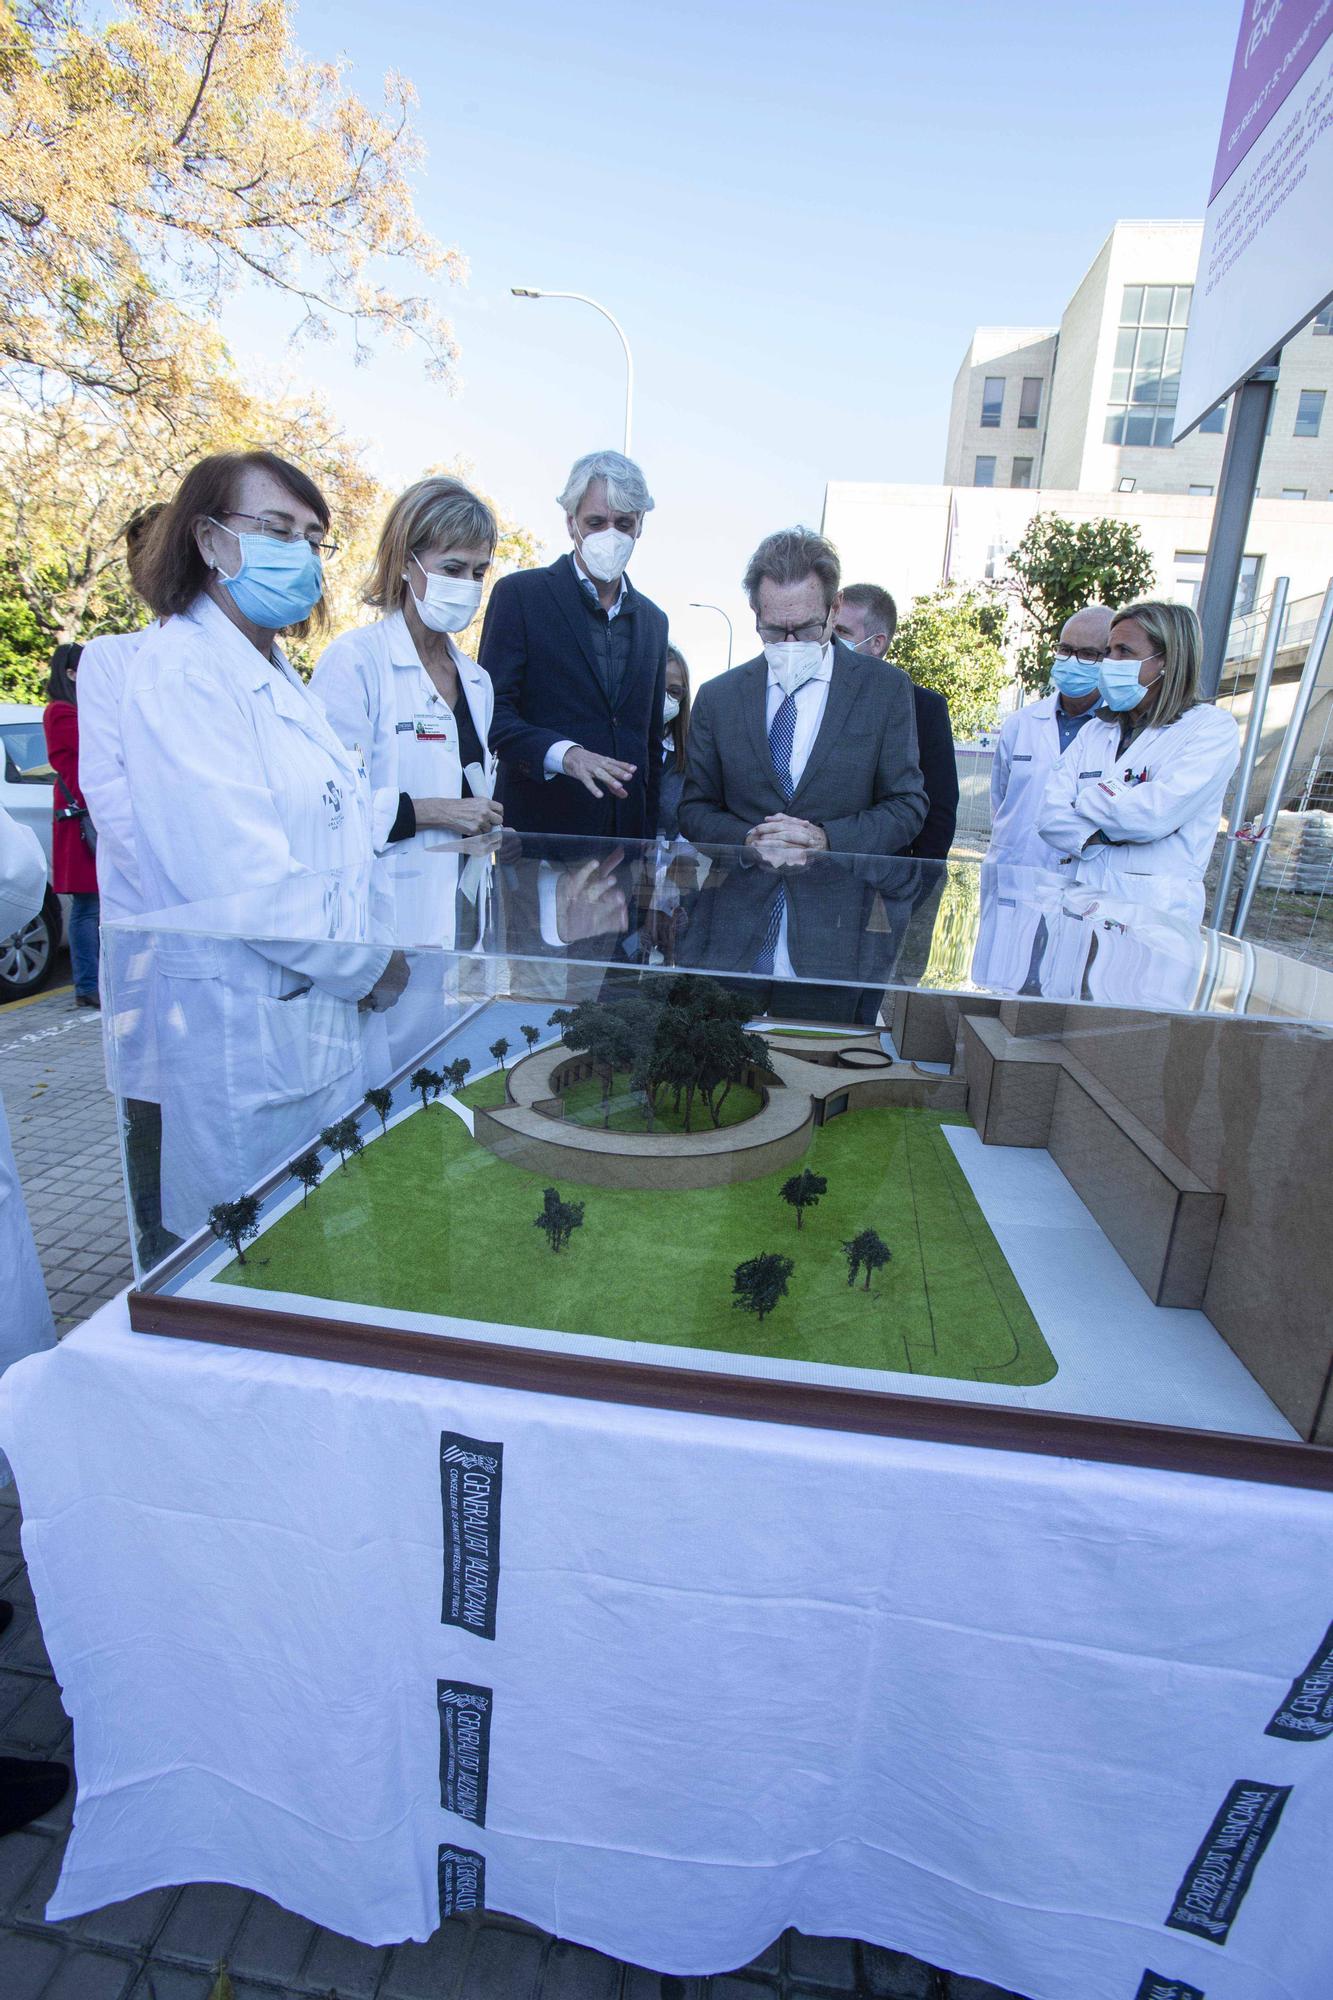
781 737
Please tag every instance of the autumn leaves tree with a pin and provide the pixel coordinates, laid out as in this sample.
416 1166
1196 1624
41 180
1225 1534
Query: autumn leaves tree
155 158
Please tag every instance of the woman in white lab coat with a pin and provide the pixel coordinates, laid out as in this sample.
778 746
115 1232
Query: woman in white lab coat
238 785
403 692
1133 805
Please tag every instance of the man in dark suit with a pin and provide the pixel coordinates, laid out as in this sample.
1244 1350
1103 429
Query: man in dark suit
867 622
577 658
809 744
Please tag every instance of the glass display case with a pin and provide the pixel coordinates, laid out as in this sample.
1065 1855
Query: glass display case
954 1150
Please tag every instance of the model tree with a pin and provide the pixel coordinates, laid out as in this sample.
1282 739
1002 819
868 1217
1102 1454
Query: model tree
457 1073
335 1138
803 1191
235 1222
307 1169
558 1219
381 1101
760 1282
500 1049
867 1249
352 1139
530 1035
427 1082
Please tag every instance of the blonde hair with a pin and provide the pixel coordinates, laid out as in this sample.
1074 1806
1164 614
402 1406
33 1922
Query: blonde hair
436 513
1176 636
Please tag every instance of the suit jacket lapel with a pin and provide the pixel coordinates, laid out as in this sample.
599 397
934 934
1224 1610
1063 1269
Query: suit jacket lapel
566 591
754 704
843 690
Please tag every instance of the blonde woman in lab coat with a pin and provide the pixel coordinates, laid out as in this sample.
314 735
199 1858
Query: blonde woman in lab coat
403 693
1133 805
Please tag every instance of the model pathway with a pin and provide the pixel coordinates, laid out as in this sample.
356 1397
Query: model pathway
165 1946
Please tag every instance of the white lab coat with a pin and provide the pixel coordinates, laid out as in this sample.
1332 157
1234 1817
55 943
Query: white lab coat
374 689
26 1324
239 783
1026 754
1159 802
126 968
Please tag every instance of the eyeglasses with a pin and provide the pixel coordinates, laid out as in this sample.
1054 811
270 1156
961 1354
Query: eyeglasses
283 531
777 635
1088 657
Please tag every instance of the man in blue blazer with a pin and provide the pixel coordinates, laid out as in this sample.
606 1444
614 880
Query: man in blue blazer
577 658
867 622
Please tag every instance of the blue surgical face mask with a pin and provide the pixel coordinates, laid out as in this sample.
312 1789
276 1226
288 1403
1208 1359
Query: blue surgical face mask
278 583
1120 684
1073 677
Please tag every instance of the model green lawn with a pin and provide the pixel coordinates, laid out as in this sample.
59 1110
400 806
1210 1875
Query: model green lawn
583 1105
429 1221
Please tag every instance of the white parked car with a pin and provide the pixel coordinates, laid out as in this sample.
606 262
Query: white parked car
26 785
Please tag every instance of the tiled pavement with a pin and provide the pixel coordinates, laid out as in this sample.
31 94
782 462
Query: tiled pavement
165 1946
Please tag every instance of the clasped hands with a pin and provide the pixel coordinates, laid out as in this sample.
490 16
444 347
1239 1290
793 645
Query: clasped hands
783 842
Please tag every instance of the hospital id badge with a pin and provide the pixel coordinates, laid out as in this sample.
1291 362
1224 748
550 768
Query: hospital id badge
433 728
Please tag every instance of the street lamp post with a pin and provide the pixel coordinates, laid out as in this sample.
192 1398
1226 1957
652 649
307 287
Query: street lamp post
695 605
527 292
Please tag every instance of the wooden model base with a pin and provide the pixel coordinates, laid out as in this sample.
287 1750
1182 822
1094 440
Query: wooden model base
999 1427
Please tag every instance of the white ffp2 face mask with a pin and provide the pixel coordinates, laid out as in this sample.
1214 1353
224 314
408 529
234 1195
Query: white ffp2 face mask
450 603
606 554
792 662
670 708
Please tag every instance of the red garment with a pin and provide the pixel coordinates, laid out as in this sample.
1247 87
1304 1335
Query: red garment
73 867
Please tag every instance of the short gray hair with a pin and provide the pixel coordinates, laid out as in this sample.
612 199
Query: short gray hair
626 487
790 556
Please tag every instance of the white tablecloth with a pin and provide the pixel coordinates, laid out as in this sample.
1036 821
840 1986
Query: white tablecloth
1003 1712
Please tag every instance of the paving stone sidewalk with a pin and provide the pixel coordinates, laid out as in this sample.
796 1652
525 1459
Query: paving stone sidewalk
164 1946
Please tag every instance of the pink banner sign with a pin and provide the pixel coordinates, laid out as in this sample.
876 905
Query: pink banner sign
1278 41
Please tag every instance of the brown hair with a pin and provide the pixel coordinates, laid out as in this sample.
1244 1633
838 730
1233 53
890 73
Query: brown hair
1175 634
679 730
171 573
436 513
790 556
64 665
135 532
878 605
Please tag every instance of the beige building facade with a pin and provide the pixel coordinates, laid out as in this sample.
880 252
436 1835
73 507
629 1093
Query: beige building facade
1077 419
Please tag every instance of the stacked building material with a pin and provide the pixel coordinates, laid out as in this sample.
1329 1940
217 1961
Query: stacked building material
1300 854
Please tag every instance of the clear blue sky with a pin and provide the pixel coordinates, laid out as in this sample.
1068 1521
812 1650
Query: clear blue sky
797 211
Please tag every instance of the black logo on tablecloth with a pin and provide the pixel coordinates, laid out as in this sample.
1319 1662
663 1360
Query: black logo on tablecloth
462 1881
1211 1894
470 1474
1156 1986
1307 1713
465 1748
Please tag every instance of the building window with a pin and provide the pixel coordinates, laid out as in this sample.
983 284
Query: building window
1029 403
1215 423
1323 322
1145 378
1189 576
1128 485
984 475
1022 473
1309 413
1201 492
1247 590
992 402
1294 492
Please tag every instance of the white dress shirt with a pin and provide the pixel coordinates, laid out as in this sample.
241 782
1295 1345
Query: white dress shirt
811 701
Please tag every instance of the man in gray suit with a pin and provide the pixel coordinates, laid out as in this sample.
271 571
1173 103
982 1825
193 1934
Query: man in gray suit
809 746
